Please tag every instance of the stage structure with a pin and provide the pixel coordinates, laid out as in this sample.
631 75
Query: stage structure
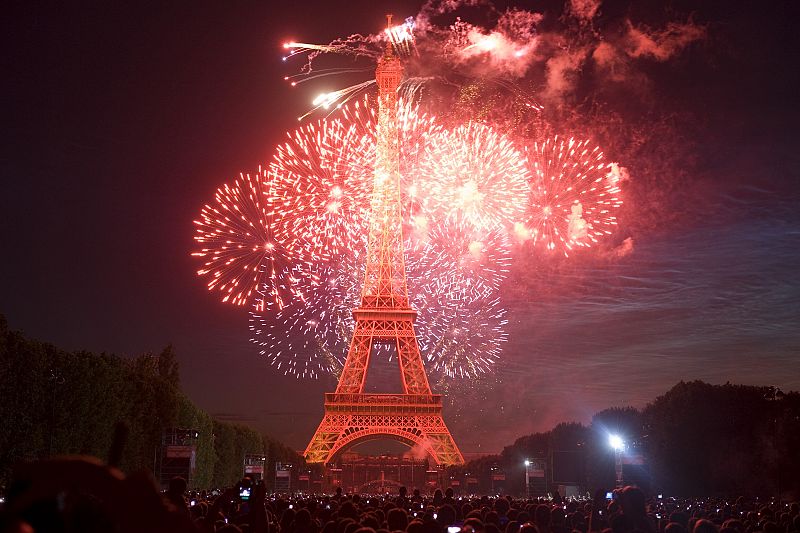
413 417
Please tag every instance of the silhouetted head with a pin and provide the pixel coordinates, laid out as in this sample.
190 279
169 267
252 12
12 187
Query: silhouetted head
681 518
342 525
557 516
415 526
492 528
348 510
475 523
734 525
177 485
705 526
542 516
302 518
446 515
397 519
768 527
633 501
287 518
501 506
370 521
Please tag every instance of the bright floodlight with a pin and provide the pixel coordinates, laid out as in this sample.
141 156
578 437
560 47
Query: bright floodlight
616 442
527 463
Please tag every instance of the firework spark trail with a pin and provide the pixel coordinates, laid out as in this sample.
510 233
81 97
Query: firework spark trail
416 130
297 233
504 52
296 79
433 54
574 195
402 37
455 276
237 238
450 269
340 97
311 50
355 45
455 269
477 174
468 338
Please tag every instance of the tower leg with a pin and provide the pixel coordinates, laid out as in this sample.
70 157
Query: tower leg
328 433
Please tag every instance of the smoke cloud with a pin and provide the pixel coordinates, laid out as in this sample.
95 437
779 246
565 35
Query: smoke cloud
662 45
625 248
506 50
416 452
617 174
562 73
577 224
514 48
584 10
435 8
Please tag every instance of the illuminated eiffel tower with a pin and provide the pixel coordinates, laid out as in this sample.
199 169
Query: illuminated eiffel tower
414 416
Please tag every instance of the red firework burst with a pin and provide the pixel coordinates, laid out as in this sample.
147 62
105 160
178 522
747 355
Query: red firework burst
574 195
476 174
237 239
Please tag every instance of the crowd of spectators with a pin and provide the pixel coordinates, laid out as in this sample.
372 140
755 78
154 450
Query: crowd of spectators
627 511
81 495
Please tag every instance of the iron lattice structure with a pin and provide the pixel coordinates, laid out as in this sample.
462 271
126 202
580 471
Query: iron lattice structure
384 316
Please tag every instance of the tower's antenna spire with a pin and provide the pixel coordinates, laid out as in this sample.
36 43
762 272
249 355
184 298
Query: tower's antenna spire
389 49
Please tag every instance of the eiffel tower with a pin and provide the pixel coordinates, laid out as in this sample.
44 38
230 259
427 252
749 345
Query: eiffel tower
414 416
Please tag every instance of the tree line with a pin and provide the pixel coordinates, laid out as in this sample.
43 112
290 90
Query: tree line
55 402
696 439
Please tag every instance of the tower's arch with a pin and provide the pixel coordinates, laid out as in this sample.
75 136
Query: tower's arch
359 436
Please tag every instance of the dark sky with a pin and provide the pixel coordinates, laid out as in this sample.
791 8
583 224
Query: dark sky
120 120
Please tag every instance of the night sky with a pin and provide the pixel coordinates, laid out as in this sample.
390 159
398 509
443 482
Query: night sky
120 121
